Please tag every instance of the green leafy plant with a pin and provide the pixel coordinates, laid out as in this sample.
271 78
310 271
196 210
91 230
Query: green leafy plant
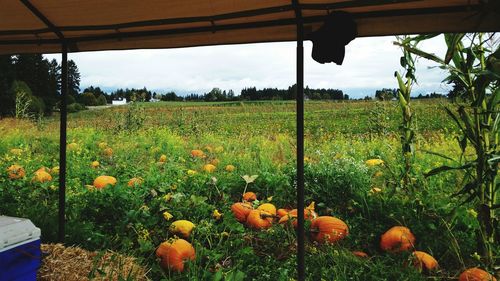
474 62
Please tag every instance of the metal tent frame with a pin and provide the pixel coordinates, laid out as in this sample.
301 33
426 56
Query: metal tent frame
70 44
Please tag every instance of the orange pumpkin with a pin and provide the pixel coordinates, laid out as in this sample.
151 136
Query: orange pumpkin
360 254
163 158
173 254
241 210
197 153
135 182
309 215
328 229
282 212
43 169
42 176
16 172
476 274
108 152
422 260
268 207
209 168
249 196
103 181
397 239
258 219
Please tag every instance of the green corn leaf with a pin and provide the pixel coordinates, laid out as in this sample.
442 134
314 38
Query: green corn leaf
469 127
402 100
423 54
468 188
452 40
444 168
438 154
454 117
401 83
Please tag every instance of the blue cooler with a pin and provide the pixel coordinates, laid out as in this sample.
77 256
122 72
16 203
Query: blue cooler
20 255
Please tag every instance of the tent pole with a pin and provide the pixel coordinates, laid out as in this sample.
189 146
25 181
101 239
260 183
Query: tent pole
300 149
62 141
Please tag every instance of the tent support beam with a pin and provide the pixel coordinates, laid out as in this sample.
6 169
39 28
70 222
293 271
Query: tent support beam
300 143
43 18
62 142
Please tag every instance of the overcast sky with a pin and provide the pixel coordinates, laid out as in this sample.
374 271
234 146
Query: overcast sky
369 64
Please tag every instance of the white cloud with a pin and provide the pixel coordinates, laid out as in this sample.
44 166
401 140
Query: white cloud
369 64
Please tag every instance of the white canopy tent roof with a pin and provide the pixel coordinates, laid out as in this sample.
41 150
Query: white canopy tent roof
39 26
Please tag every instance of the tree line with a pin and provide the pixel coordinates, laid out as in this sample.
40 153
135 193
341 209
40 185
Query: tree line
35 81
254 94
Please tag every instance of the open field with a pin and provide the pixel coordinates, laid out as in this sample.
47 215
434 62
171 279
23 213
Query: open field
256 138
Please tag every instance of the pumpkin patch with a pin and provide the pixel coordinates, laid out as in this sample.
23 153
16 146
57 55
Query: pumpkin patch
154 201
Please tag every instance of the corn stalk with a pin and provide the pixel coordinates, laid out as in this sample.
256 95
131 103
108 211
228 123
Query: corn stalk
476 113
407 61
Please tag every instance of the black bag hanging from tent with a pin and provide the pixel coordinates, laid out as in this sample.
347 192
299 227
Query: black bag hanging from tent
330 39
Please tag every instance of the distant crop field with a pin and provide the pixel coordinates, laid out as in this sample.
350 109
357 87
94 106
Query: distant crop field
167 162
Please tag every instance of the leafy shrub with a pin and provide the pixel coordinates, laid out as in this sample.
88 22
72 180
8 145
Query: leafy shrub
88 99
336 183
75 107
101 100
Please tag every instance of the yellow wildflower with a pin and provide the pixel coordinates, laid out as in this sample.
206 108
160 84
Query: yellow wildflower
230 168
144 234
167 197
72 146
102 145
16 151
95 164
472 212
374 162
311 206
168 216
55 170
216 214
